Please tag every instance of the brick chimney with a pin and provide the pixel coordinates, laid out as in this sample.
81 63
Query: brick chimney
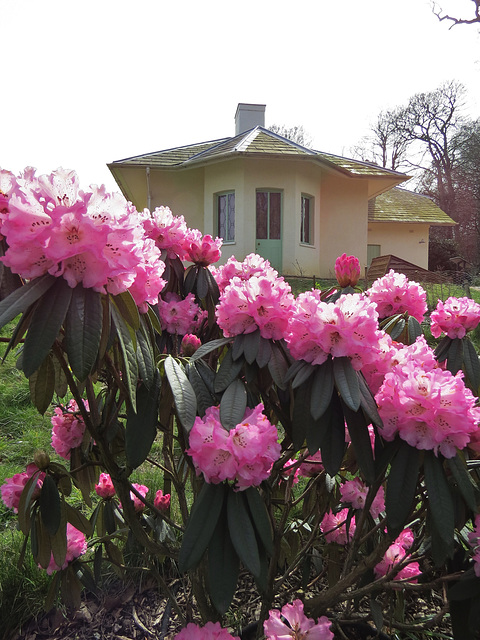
249 116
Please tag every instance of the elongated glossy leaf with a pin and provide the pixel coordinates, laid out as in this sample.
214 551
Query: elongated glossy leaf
145 359
455 356
207 348
322 388
397 330
260 519
42 541
223 566
205 397
19 331
264 352
201 525
414 329
83 330
233 404
464 480
59 540
278 366
440 499
367 402
128 309
141 426
24 506
79 521
202 283
22 298
227 371
251 346
442 349
333 445
238 345
183 393
42 385
50 505
294 369
388 324
401 487
301 416
346 381
471 364
360 437
303 374
45 325
242 532
128 352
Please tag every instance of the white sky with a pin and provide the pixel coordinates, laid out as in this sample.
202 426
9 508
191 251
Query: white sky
87 82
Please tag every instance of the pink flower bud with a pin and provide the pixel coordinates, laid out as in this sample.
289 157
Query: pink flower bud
105 488
190 344
347 270
162 501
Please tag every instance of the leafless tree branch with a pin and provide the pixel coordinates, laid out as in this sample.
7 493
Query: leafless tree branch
438 11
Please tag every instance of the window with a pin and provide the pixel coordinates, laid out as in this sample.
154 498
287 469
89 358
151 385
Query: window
226 216
269 215
373 251
306 220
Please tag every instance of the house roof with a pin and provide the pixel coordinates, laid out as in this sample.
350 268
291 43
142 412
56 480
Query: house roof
258 141
401 205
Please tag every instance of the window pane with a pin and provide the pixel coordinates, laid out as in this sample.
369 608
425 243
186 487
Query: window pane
275 216
222 216
262 215
231 218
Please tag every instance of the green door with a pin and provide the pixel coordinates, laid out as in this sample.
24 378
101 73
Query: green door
269 227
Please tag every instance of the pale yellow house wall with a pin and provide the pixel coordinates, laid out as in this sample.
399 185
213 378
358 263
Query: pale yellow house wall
402 240
182 191
343 222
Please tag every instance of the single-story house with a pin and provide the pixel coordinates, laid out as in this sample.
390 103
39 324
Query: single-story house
297 207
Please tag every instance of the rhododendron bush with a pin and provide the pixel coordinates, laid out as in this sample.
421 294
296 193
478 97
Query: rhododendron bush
314 446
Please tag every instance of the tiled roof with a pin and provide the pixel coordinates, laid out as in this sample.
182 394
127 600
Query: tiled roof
257 141
401 205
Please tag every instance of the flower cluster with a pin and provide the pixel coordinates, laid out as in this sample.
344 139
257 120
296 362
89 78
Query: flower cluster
253 265
211 631
76 547
428 408
347 270
397 553
474 541
104 488
93 238
347 327
395 293
13 487
260 302
68 429
455 317
355 492
244 454
297 625
179 316
337 528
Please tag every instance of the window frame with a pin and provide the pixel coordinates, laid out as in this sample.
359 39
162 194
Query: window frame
305 197
226 194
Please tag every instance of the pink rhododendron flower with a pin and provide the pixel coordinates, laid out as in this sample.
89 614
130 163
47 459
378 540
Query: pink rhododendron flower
13 487
179 316
142 490
347 327
355 492
311 466
347 270
396 553
161 500
395 293
105 488
76 547
291 468
68 429
334 527
211 631
297 625
203 250
244 454
429 409
253 265
260 302
169 232
474 541
190 344
455 317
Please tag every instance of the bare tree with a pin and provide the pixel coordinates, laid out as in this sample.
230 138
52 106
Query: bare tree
295 134
438 11
386 145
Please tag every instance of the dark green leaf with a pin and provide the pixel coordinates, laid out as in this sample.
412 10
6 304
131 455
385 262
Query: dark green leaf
260 518
227 371
83 329
45 325
397 330
141 427
205 397
201 525
294 368
301 416
471 364
233 404
238 344
50 505
322 388
264 352
242 532
22 298
59 540
414 329
24 505
202 283
367 402
464 480
455 356
346 381
223 566
440 499
442 349
128 309
251 346
303 374
78 520
333 443
207 348
401 487
360 437
467 587
278 365
128 352
42 385
183 393
145 359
